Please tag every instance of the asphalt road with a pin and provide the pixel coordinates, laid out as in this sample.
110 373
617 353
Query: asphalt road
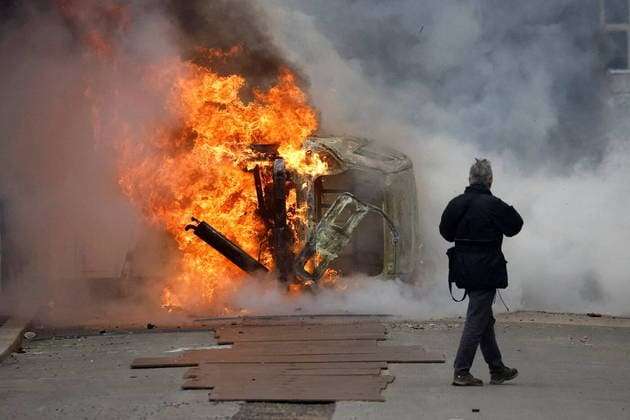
568 371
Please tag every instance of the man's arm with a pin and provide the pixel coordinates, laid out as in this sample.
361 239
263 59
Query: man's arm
448 224
508 219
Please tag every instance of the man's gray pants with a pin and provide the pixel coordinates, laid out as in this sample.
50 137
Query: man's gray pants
478 331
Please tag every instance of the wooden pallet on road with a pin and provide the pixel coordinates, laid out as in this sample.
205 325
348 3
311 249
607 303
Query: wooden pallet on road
294 362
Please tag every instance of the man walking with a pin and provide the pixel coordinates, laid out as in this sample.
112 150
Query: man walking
477 221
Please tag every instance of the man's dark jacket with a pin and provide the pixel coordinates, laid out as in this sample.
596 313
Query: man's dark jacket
476 221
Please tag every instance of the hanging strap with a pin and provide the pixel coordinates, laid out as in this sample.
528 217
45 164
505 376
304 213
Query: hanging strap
450 290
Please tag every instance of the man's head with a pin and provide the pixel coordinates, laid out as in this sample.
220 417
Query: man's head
481 173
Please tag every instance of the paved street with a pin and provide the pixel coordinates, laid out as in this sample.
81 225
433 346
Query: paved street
568 371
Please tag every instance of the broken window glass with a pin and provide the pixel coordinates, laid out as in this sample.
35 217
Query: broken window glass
617 50
366 250
333 232
616 11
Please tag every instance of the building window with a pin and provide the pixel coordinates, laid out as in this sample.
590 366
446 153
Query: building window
615 20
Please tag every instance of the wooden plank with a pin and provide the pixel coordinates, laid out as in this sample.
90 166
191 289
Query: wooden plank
393 354
299 332
304 384
298 368
297 344
217 375
300 343
306 347
303 389
307 337
365 326
230 339
209 379
309 396
219 371
342 365
301 329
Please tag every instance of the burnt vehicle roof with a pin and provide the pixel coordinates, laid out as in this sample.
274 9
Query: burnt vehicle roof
359 153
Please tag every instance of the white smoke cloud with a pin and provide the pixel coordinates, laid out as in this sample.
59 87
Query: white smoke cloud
449 81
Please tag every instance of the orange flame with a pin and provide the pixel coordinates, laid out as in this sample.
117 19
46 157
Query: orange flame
198 170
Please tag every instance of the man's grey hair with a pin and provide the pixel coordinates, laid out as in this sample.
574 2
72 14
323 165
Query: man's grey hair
481 173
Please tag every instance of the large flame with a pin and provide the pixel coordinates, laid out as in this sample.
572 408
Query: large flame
198 169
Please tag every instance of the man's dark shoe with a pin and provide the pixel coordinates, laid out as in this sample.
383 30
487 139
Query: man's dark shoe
503 374
466 379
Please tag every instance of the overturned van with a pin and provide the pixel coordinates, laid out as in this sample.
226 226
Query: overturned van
362 215
382 182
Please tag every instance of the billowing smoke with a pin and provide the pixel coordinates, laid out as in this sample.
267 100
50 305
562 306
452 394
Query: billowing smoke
78 79
70 70
522 83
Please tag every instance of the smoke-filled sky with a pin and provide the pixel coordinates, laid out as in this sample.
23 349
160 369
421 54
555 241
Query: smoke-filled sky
523 83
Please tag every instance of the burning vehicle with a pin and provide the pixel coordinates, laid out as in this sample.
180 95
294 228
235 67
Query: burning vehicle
361 216
264 192
218 148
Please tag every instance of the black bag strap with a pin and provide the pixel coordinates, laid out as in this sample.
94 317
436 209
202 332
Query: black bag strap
450 284
450 290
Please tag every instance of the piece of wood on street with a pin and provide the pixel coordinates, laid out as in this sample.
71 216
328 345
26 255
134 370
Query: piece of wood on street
219 371
306 347
302 389
314 328
214 381
305 331
225 335
302 367
392 354
270 379
299 337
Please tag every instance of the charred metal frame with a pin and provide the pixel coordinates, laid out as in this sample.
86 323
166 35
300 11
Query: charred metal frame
281 235
227 248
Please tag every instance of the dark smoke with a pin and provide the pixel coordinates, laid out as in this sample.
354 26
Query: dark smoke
223 24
